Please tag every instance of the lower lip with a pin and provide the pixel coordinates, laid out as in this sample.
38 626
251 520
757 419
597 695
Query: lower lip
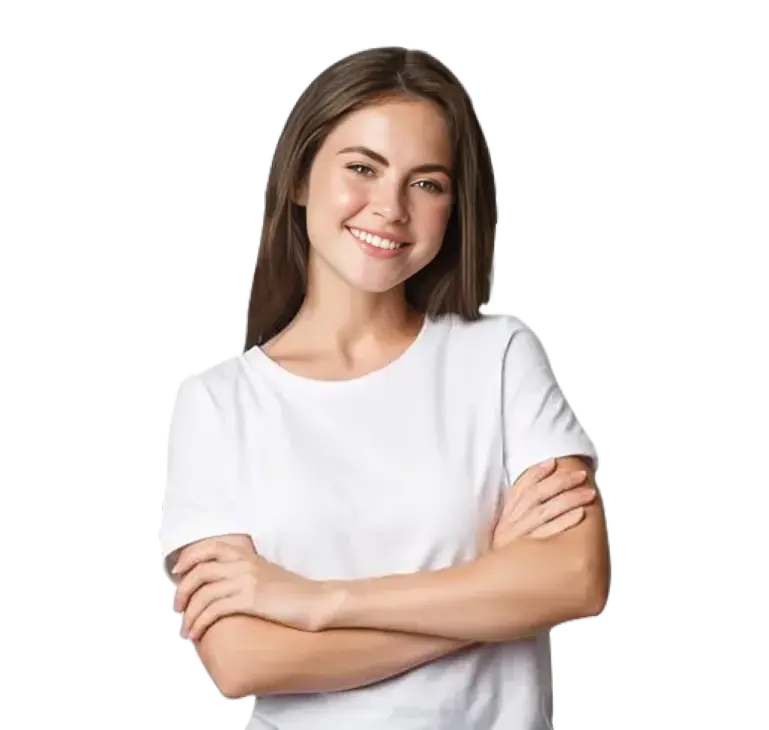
376 252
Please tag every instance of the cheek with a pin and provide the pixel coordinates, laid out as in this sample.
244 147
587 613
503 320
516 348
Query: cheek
333 199
433 218
345 198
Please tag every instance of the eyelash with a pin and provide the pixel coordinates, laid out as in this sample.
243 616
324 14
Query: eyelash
435 189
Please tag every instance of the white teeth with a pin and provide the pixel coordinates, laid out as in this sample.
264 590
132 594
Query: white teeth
375 240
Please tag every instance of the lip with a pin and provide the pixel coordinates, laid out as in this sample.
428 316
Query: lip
377 253
382 234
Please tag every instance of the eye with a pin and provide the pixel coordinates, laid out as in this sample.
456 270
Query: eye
361 169
431 187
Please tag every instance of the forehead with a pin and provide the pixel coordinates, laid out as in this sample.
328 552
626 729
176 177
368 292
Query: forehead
405 131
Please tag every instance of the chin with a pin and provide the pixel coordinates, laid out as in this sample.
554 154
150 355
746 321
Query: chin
373 280
370 287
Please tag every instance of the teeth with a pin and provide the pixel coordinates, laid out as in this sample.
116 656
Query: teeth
375 240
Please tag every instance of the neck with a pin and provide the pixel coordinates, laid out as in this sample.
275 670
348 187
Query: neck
336 316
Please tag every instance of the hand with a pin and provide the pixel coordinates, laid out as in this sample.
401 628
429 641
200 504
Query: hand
542 503
218 579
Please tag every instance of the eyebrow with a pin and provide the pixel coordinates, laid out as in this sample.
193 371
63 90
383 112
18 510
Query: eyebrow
382 160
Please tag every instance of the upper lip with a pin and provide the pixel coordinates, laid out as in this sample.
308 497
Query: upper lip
382 234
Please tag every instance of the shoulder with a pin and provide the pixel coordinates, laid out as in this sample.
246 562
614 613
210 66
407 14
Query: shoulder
216 386
489 336
491 345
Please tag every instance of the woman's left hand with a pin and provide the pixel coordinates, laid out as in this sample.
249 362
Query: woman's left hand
218 579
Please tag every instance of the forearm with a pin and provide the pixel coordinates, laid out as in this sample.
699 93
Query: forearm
250 656
504 595
340 659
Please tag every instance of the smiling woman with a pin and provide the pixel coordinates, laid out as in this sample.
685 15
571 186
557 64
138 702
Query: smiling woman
384 171
375 513
385 141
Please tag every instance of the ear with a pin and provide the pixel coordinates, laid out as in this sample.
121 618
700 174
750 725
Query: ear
300 194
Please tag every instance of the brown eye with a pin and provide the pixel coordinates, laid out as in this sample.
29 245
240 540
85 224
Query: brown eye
431 187
361 170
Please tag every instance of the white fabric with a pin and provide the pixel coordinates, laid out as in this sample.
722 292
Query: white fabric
397 471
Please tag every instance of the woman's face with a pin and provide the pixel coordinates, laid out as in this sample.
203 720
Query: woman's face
379 195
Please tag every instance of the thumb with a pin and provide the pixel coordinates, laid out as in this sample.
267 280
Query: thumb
485 535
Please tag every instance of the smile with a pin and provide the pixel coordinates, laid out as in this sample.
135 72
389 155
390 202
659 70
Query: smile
377 247
384 244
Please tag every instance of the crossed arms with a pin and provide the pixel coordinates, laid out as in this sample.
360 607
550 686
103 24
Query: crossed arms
382 627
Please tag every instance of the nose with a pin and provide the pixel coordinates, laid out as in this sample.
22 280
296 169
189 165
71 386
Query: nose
389 203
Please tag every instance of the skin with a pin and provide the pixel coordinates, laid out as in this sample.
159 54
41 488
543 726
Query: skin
247 655
355 318
547 560
218 579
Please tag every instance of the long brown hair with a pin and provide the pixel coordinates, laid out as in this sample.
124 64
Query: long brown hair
458 280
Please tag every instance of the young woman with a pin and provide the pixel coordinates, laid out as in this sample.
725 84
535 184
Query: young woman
375 513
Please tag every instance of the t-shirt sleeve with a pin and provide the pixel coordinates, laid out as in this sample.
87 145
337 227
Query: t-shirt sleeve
538 421
202 493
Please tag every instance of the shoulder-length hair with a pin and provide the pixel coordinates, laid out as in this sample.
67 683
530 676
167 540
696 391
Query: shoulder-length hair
458 279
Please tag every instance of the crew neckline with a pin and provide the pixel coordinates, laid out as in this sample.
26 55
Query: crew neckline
258 358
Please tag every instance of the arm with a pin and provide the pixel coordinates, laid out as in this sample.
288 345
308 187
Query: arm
248 655
245 655
504 595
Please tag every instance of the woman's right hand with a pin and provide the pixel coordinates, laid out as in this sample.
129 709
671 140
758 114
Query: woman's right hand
542 503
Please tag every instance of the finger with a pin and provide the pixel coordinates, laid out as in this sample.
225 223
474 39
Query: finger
486 531
560 524
199 576
203 598
558 483
536 472
207 550
564 502
506 534
543 513
527 480
547 489
211 613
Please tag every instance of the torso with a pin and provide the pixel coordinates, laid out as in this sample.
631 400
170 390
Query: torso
397 470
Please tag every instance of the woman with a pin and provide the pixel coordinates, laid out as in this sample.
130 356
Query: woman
375 513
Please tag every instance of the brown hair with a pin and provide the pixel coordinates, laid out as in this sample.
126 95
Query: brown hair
458 280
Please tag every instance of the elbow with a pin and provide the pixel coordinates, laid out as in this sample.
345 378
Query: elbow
235 681
229 693
594 582
227 672
596 599
246 658
230 687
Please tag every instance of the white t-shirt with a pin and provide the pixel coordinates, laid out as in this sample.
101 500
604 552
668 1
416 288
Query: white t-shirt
396 471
